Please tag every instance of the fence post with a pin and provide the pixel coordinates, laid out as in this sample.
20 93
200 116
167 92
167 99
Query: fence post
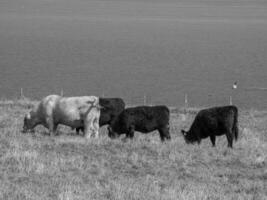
185 101
144 99
230 100
21 93
61 92
234 87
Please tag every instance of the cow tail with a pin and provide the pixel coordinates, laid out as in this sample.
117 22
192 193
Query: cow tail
236 124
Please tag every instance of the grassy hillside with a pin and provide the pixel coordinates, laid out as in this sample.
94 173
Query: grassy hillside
67 167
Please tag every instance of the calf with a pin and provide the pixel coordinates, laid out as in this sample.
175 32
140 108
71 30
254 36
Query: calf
143 119
214 122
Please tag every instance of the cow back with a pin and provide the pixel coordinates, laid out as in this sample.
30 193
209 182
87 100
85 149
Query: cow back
143 118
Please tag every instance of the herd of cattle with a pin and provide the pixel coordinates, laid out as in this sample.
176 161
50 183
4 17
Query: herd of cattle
88 113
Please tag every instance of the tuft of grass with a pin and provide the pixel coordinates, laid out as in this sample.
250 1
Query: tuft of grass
37 166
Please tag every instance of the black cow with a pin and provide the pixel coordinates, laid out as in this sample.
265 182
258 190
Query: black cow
214 122
143 119
110 109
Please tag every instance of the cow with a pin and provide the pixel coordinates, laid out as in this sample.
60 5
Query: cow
70 111
143 119
214 122
110 108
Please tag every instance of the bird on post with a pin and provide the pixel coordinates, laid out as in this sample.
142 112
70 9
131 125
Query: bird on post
235 85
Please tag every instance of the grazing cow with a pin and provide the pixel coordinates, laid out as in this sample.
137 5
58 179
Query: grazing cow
214 122
110 108
70 111
143 119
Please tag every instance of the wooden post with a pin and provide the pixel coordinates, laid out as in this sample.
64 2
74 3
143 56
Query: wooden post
144 99
185 101
61 92
234 87
21 93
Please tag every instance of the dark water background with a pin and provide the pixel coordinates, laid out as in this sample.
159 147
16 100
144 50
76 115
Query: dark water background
128 48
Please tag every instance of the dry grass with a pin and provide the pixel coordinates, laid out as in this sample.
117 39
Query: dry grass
67 167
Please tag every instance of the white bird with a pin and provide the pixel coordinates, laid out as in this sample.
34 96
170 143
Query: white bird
235 85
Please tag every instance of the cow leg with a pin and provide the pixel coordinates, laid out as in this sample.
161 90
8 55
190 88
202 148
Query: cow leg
88 127
87 130
79 129
88 123
91 126
229 139
164 134
51 126
213 139
55 129
130 132
198 140
82 129
96 126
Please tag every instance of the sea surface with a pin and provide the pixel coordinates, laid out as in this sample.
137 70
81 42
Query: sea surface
145 51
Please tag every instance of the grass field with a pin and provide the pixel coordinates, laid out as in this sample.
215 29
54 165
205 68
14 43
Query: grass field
66 167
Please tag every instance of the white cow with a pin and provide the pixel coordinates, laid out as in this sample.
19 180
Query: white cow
70 111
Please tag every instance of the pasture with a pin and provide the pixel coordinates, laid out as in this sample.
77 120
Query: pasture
66 167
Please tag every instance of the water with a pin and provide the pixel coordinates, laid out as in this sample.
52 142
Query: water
163 49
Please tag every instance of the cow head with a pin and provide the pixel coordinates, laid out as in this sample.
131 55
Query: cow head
186 136
189 136
28 123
